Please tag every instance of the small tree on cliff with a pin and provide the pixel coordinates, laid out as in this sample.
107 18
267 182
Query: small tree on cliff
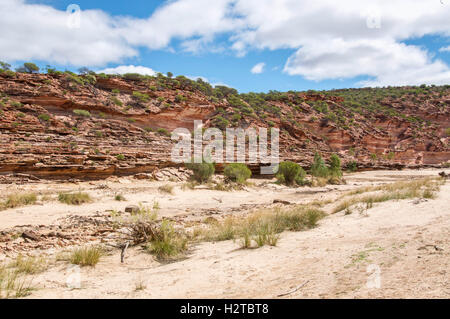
5 66
28 67
31 67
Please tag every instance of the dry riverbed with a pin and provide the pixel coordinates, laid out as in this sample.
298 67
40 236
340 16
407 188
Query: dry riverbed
395 248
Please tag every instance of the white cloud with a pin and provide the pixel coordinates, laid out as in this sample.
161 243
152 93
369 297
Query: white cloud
389 62
258 68
332 39
336 40
39 32
123 69
445 49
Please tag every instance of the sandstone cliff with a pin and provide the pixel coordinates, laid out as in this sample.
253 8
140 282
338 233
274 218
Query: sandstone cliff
62 125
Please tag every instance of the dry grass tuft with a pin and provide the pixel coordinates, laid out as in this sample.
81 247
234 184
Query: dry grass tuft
263 227
13 284
167 188
167 243
421 188
17 200
86 256
74 198
28 265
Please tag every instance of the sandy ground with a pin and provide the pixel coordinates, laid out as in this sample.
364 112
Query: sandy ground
398 250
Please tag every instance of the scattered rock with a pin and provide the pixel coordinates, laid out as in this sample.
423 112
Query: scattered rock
133 209
444 175
142 176
280 201
30 235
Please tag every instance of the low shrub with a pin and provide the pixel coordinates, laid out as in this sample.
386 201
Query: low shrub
202 172
44 117
82 113
168 242
290 172
237 172
318 168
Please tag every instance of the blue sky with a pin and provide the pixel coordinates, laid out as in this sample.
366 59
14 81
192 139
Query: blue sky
298 44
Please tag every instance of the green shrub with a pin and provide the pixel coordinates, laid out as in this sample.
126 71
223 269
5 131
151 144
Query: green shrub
119 198
237 172
335 166
120 157
82 113
132 76
141 96
163 131
180 98
352 166
318 168
44 117
168 243
202 172
116 101
30 67
288 172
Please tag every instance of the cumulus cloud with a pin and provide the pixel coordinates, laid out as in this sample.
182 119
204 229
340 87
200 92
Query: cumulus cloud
331 39
336 40
123 69
40 32
258 68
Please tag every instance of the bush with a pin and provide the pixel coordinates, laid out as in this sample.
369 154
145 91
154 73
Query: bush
132 76
237 172
74 198
168 243
335 166
202 172
289 172
82 113
318 168
44 117
352 166
31 67
163 131
141 96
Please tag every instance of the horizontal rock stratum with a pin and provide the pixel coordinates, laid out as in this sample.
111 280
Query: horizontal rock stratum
63 125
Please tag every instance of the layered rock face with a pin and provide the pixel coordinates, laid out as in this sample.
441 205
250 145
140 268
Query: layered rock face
67 126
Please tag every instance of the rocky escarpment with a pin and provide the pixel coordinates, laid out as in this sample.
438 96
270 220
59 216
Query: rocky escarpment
67 126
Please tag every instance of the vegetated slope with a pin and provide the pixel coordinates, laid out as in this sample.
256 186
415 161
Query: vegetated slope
92 126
